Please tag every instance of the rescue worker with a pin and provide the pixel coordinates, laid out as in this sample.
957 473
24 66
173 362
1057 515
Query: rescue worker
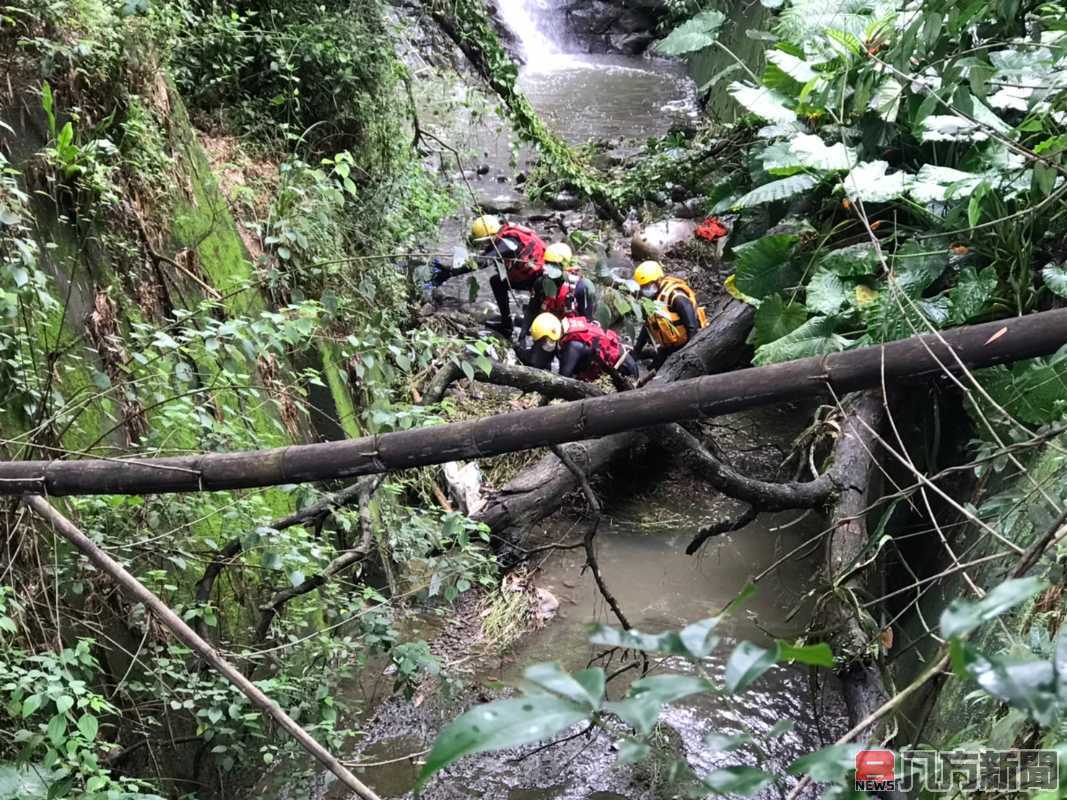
575 296
585 350
520 255
677 318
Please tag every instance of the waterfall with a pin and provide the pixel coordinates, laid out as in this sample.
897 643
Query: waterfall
533 27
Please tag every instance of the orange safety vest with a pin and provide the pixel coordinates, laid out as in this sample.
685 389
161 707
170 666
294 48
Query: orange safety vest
665 326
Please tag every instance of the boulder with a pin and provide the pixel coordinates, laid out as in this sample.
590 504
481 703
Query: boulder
563 201
623 26
631 44
689 209
502 203
657 240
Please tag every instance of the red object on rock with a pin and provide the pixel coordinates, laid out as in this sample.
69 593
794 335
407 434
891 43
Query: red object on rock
711 229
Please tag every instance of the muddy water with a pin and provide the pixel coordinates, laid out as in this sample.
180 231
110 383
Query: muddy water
641 548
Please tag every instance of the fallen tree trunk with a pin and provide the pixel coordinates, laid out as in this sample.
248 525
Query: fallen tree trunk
177 626
526 379
538 492
661 402
854 630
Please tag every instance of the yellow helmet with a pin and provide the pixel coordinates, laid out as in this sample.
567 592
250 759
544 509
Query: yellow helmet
485 227
546 326
558 253
648 272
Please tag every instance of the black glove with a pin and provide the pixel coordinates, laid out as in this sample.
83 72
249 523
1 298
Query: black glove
440 273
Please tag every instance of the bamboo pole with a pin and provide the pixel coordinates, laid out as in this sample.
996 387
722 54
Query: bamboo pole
179 628
915 358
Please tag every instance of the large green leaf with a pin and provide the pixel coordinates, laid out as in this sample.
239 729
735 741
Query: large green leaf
816 655
854 261
815 337
23 781
504 723
934 184
747 663
796 68
1027 684
585 688
695 34
916 265
885 101
762 102
829 764
693 641
776 318
871 182
647 696
1055 277
963 616
950 128
972 293
765 266
814 153
777 190
1033 391
826 293
742 781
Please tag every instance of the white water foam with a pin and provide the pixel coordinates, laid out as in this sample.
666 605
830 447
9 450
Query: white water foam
539 46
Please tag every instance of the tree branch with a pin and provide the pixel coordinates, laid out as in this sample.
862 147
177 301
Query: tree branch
526 379
339 564
314 513
588 542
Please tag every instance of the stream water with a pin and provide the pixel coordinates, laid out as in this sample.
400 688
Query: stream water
641 545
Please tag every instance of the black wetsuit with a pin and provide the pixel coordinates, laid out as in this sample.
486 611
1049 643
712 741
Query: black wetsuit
574 359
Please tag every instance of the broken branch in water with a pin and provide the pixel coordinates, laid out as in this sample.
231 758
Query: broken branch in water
590 536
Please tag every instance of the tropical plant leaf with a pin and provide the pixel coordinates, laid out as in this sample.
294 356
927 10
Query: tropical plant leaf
972 293
796 68
777 190
776 318
934 184
1033 391
765 266
916 266
815 337
504 723
854 261
693 35
950 128
870 183
1027 684
762 102
815 655
1055 277
963 616
886 99
829 764
814 153
826 293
